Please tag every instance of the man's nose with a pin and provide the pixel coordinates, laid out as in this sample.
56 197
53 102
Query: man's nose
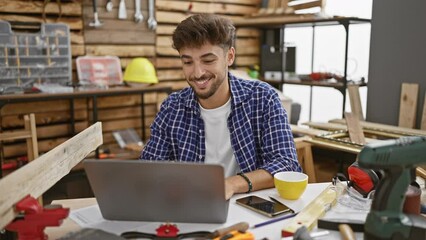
198 70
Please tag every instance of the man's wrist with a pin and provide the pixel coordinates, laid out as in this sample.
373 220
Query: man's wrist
250 185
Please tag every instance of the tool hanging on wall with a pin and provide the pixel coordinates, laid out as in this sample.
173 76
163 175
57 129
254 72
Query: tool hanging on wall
138 13
122 12
109 6
152 23
95 23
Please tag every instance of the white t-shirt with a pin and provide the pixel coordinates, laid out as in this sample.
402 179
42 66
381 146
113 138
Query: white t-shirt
218 139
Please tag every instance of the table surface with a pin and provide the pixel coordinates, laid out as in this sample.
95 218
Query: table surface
236 214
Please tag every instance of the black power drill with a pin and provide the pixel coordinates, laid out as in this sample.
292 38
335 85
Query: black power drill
398 159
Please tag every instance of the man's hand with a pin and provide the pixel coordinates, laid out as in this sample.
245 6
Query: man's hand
260 179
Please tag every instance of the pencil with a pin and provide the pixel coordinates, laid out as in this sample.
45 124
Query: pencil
274 220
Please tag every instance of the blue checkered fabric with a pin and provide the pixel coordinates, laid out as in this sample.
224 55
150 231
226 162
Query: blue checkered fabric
260 132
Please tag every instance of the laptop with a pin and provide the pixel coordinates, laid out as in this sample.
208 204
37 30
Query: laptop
159 191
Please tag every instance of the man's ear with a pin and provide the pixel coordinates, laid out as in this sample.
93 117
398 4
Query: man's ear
231 56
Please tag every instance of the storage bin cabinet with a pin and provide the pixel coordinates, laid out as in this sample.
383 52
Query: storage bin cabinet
27 58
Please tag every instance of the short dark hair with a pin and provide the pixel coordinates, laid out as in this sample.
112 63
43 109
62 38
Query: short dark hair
199 29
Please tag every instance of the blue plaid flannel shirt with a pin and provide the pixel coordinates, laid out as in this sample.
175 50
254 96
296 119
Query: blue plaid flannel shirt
260 133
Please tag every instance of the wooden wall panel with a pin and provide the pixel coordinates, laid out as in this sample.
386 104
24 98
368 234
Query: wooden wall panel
125 39
170 13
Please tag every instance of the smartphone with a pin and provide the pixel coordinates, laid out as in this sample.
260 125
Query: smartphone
263 206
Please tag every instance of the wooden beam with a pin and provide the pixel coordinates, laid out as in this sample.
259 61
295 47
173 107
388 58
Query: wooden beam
41 174
423 123
19 6
356 135
307 131
170 74
74 23
77 50
247 60
355 100
385 127
165 62
121 51
200 7
95 36
408 105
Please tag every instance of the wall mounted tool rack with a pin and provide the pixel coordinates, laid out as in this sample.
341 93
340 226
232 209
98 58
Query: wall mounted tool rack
27 58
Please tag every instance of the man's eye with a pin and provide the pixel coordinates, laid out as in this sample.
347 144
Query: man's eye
187 63
209 61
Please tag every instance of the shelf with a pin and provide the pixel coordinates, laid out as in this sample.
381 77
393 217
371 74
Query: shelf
306 20
273 28
337 85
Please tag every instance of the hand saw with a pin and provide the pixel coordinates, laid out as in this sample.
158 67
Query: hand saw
310 214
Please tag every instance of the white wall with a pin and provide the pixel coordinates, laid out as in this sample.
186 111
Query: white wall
329 57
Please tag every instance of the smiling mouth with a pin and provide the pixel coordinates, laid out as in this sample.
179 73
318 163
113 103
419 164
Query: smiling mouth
202 83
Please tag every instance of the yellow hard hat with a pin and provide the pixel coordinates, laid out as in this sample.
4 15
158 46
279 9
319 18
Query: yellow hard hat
140 70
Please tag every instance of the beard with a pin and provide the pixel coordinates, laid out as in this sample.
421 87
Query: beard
214 85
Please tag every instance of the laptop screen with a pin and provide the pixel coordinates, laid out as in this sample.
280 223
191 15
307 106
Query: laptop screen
137 190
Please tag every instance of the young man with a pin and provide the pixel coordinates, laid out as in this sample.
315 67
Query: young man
221 119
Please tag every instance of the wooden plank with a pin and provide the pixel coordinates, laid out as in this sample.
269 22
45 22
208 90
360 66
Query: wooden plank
164 62
199 7
124 112
78 50
165 17
166 51
121 51
74 23
327 126
247 43
41 174
275 20
118 25
7 136
165 29
40 107
307 131
76 37
408 105
123 100
16 6
247 60
170 74
248 32
253 50
59 130
94 36
241 32
355 100
384 127
356 135
164 41
14 121
175 85
299 5
423 123
241 2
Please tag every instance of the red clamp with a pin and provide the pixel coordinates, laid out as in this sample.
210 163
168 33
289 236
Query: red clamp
35 219
167 230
